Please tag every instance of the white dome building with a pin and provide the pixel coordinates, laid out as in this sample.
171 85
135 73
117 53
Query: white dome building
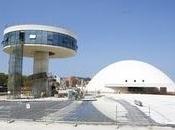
131 76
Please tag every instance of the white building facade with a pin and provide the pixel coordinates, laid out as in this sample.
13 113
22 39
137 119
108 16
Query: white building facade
131 76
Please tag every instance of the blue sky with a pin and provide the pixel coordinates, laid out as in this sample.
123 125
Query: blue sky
107 30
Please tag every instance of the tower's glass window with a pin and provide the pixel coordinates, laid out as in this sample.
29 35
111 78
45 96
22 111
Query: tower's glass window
50 37
40 37
22 36
32 36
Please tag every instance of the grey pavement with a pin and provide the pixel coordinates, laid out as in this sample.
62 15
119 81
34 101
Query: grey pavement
69 111
134 115
17 110
82 111
87 112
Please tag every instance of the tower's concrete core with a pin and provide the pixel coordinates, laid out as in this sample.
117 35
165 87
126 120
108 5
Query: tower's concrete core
42 43
41 62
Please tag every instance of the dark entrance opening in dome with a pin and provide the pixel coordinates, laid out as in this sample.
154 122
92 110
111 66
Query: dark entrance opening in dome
138 90
143 90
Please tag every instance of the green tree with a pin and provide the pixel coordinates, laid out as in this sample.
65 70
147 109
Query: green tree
3 79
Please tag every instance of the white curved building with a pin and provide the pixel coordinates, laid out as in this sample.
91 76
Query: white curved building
131 76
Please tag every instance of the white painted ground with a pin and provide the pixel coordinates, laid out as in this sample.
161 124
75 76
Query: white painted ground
108 108
162 107
162 110
20 125
5 98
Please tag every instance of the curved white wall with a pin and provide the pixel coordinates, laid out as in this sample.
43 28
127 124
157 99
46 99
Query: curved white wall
117 73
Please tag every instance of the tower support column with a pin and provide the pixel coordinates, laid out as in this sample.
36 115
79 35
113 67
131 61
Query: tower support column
41 62
40 83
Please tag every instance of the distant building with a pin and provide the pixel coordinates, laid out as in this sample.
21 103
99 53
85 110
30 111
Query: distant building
74 81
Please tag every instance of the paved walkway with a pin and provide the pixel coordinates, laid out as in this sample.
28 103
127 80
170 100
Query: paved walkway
81 111
17 110
134 115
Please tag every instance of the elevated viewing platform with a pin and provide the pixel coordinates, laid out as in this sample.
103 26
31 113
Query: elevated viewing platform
58 42
40 42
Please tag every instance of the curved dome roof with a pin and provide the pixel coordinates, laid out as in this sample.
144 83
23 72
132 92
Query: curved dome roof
130 73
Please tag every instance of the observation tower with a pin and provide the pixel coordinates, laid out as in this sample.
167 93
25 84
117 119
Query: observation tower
39 42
